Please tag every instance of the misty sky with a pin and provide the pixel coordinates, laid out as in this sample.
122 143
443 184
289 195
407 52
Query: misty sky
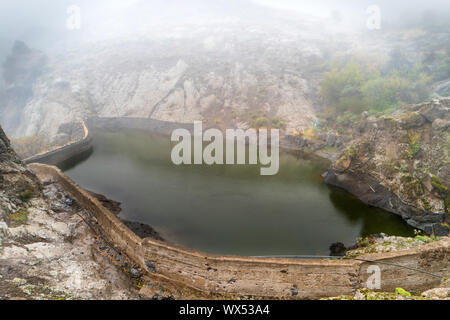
42 22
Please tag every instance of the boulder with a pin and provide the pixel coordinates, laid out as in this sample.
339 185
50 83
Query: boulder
337 249
434 111
437 293
412 120
331 139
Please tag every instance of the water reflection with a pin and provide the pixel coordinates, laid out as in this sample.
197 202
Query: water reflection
226 209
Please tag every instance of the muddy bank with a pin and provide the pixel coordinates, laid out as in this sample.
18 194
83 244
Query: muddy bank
371 192
141 229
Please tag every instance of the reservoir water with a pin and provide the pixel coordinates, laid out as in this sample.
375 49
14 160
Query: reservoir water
226 209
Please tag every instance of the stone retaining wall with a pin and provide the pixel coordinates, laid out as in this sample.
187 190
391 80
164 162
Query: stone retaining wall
64 153
151 125
259 277
61 154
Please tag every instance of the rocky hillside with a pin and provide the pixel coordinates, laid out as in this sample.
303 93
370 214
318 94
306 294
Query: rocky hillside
46 249
17 183
20 71
401 163
218 74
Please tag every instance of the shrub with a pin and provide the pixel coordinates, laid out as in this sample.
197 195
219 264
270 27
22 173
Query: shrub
438 185
278 123
357 86
260 122
413 145
27 195
412 186
402 292
19 217
341 87
426 204
266 122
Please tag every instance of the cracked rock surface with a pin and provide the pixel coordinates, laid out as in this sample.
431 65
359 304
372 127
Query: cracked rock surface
47 251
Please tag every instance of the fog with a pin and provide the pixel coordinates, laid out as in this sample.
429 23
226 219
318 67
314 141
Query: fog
42 23
180 60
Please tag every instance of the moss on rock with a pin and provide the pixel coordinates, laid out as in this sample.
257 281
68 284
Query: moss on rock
412 120
19 217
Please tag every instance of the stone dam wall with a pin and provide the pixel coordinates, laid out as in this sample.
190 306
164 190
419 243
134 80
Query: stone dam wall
75 148
145 124
229 276
66 152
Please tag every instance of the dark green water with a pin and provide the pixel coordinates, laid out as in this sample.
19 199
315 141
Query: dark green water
226 209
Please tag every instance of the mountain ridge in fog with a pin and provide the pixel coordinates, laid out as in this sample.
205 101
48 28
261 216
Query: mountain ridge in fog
173 60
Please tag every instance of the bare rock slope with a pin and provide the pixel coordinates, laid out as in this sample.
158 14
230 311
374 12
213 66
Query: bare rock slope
46 249
232 74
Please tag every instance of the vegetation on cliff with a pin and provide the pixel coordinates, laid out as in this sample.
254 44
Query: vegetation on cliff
369 84
413 70
406 155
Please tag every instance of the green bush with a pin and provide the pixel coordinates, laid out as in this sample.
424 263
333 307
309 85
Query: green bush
341 87
266 122
358 86
438 185
278 123
19 217
261 122
27 195
414 145
402 292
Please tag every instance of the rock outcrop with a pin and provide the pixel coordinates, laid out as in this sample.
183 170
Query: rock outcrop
232 71
401 163
20 71
17 183
226 88
47 251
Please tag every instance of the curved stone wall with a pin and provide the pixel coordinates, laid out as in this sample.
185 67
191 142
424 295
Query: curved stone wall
229 276
154 126
66 152
61 154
